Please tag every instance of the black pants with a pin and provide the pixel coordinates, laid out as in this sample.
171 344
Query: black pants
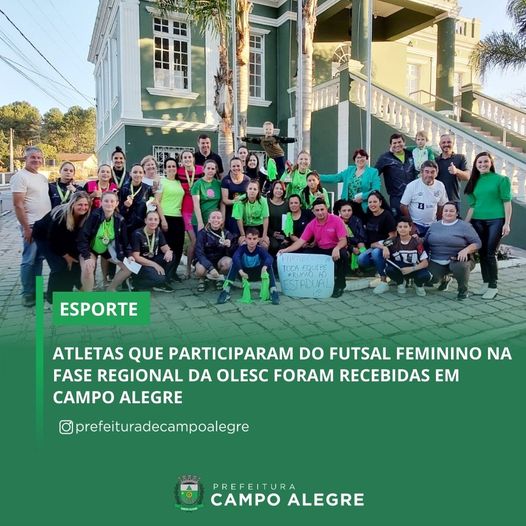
148 277
490 233
420 276
394 204
61 279
175 238
340 266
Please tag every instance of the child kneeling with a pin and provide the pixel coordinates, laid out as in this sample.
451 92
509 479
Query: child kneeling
251 262
407 259
149 249
213 251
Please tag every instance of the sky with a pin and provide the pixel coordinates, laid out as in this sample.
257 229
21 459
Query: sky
61 30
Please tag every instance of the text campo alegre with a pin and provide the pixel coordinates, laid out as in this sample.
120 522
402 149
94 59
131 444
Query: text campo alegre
260 494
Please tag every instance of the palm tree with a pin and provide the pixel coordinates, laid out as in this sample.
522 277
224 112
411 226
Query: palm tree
242 58
308 24
502 49
214 16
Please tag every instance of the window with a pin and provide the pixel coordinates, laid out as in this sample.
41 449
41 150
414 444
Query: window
413 82
161 153
256 64
171 54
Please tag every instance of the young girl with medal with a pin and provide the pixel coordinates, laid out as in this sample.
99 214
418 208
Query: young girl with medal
118 161
213 250
206 194
252 210
134 198
188 173
297 178
61 191
104 230
149 249
313 191
170 198
103 184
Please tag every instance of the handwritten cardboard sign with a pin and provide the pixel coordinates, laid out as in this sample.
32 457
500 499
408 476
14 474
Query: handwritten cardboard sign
306 275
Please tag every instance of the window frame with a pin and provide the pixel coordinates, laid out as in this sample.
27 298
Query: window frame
172 38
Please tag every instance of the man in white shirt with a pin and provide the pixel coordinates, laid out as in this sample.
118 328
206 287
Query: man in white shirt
424 198
31 202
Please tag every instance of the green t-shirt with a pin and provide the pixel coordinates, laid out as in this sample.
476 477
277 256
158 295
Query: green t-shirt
297 183
105 235
400 156
209 197
309 200
172 197
488 197
252 214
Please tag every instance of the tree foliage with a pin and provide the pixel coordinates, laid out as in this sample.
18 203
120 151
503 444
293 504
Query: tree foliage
70 132
23 118
502 49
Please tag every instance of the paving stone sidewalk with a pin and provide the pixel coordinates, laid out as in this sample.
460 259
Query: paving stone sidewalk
357 314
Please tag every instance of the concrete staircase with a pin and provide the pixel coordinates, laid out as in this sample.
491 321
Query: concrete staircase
408 117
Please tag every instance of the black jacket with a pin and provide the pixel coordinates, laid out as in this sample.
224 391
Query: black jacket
89 231
209 250
397 175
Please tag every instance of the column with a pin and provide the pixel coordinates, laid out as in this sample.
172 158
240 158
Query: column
445 77
359 30
130 59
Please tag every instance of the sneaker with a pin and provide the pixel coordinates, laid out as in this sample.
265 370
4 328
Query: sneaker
28 301
489 294
223 297
420 291
462 294
163 288
127 285
381 288
483 289
402 289
337 292
274 297
444 284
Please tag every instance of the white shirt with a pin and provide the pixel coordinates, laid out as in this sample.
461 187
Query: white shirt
35 186
423 200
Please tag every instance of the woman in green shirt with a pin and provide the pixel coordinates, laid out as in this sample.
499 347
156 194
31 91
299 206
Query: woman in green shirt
252 210
206 194
314 190
103 234
489 199
297 178
170 198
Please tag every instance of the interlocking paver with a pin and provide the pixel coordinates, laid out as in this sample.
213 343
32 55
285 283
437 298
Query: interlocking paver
357 314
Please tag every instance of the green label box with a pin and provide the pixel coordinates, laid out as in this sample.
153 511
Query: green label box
101 308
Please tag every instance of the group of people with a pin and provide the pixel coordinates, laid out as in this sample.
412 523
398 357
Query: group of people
236 224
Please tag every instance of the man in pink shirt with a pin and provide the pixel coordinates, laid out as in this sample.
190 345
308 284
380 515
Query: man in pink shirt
330 237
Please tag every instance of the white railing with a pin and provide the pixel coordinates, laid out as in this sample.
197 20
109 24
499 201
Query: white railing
501 114
409 118
326 95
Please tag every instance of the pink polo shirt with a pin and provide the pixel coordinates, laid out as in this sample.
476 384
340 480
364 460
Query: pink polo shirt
325 235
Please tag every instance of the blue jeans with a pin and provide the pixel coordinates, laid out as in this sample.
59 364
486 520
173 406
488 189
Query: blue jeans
373 257
30 267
